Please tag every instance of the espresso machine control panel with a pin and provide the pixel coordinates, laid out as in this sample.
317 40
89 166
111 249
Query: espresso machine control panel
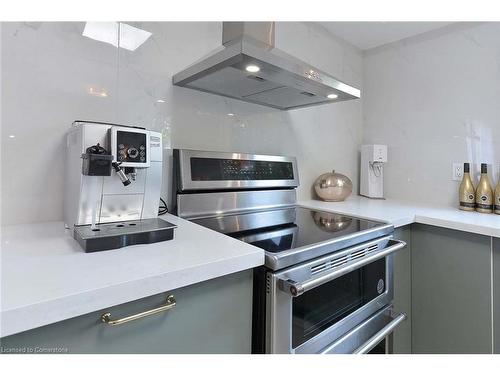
130 147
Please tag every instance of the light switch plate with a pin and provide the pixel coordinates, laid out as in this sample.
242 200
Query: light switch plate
457 172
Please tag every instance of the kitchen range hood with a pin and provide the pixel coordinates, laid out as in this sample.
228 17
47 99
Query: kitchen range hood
248 67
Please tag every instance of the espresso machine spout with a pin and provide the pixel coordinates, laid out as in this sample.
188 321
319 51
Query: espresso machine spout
119 171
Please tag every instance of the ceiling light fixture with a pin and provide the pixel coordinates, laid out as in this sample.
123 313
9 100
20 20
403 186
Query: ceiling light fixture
230 114
332 96
252 68
160 101
12 136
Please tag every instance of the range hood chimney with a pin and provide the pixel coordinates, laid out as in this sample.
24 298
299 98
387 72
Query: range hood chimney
248 67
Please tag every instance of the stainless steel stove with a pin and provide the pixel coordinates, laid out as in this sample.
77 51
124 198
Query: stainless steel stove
326 286
295 234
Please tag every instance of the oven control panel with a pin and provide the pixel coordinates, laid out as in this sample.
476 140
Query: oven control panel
197 170
211 169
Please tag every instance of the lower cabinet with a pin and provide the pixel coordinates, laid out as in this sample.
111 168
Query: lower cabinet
496 295
451 291
446 281
402 292
209 317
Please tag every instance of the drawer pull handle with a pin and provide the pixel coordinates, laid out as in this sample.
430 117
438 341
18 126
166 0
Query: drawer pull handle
379 336
106 317
295 289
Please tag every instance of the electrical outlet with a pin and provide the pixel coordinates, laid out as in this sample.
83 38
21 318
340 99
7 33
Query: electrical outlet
457 172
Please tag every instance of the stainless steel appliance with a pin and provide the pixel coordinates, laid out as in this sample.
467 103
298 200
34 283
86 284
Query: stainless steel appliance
327 283
248 67
112 186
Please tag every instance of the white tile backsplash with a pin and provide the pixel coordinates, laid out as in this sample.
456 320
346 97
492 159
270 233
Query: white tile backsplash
48 69
434 101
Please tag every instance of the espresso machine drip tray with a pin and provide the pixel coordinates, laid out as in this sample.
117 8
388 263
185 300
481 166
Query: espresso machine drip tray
120 234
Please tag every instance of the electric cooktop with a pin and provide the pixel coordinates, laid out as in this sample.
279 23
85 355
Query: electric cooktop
296 234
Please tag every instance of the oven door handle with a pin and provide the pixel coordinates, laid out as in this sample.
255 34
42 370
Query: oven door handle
379 336
296 289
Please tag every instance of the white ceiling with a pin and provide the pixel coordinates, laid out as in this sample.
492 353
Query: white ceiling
367 35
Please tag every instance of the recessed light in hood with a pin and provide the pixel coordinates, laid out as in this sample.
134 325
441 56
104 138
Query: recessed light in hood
284 82
252 68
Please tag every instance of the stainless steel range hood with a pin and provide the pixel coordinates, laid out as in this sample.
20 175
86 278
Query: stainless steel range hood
248 67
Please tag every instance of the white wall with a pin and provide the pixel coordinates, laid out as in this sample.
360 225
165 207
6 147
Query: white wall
433 100
47 69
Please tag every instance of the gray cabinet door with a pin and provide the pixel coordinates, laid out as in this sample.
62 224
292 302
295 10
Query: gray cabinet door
496 295
402 291
451 291
210 317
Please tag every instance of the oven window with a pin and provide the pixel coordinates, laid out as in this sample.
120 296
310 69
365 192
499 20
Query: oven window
322 307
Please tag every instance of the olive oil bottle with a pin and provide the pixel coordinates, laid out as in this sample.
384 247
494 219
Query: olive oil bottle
466 191
497 198
484 192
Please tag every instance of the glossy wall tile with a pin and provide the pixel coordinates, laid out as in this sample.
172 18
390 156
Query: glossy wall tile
55 73
434 100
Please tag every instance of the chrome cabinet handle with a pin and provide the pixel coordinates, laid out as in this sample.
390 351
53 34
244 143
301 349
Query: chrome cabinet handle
379 336
295 289
106 317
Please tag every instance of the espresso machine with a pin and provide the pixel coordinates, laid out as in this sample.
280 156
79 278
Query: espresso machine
373 158
112 187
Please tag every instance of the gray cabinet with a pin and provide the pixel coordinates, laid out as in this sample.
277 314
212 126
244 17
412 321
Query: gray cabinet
402 291
451 291
496 295
210 317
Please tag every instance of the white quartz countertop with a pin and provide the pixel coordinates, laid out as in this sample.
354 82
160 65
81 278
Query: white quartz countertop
46 276
401 213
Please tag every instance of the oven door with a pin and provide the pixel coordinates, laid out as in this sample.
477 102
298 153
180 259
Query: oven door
311 306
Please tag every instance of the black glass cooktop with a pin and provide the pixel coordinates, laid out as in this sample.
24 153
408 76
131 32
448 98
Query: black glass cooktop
280 230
